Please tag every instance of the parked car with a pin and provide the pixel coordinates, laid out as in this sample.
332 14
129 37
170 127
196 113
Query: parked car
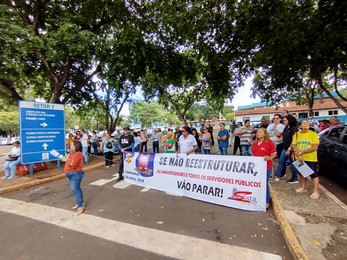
332 153
4 140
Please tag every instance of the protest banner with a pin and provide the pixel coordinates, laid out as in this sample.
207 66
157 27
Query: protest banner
232 181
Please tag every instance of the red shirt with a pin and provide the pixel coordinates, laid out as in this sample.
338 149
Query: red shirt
265 148
74 163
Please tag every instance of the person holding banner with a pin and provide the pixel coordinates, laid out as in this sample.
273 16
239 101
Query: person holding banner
305 145
187 143
126 143
265 148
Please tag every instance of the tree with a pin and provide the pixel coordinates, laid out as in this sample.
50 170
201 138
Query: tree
148 113
9 122
54 46
300 40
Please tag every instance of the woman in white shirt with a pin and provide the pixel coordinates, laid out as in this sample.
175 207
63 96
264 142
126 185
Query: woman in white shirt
187 143
12 161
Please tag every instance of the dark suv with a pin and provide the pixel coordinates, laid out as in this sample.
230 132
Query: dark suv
332 153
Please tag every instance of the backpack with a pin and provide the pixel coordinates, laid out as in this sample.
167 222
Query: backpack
109 145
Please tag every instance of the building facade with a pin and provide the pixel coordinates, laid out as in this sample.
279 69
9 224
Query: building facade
323 108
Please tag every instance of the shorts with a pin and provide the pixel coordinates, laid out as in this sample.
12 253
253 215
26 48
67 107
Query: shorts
314 167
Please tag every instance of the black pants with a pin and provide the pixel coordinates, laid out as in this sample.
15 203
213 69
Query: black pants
156 147
143 147
279 149
121 165
237 144
109 158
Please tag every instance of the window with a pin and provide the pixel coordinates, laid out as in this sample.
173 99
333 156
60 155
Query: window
246 118
335 133
303 115
333 112
315 113
344 141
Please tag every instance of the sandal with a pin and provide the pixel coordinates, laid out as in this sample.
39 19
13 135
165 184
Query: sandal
315 196
300 190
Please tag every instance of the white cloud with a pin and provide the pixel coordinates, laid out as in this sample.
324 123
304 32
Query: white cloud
242 98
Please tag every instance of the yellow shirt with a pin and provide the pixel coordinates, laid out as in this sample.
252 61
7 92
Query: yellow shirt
304 141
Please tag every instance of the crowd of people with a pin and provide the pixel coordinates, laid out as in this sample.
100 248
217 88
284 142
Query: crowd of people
283 138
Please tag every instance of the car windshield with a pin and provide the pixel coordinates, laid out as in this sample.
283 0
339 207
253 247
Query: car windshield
335 133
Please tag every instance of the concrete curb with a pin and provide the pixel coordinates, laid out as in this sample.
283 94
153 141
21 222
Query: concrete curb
45 180
288 233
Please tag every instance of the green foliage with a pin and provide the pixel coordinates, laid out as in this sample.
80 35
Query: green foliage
179 51
9 122
148 113
229 116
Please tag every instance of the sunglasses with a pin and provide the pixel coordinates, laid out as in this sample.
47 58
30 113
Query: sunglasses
183 131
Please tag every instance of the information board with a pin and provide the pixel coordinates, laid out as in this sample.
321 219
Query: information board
42 129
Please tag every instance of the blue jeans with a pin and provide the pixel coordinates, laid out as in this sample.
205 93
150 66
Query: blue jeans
75 179
223 150
10 168
95 148
156 147
246 150
206 151
282 165
268 197
136 148
85 154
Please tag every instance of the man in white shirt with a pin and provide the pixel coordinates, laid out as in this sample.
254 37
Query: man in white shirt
187 143
85 142
12 161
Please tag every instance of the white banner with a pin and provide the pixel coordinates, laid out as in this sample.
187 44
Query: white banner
232 181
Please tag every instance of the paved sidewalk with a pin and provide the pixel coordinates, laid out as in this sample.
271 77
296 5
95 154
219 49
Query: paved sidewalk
313 229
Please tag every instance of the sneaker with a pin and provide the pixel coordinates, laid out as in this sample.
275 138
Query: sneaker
107 166
11 177
284 176
112 165
292 181
276 178
5 177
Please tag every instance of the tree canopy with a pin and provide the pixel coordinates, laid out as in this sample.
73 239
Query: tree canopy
58 49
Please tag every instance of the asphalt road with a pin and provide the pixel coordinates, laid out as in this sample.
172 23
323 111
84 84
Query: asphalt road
124 221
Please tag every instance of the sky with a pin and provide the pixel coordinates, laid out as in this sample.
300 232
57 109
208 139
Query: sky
242 98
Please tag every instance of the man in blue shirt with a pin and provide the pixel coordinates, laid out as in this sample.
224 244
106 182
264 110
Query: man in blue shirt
223 137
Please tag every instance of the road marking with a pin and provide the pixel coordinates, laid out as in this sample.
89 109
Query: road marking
148 239
121 185
102 181
173 194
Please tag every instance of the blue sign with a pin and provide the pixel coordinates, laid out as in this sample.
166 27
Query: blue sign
42 129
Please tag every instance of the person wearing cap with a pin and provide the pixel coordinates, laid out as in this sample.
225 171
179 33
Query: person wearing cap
125 143
12 161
